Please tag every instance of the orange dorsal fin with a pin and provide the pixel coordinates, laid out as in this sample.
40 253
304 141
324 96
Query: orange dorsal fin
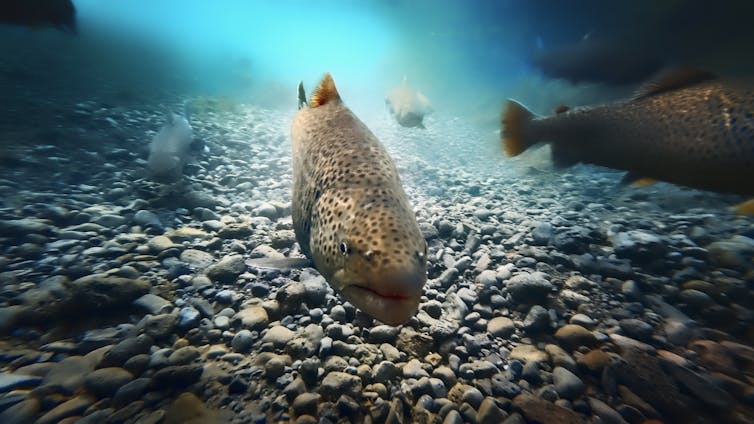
325 92
672 80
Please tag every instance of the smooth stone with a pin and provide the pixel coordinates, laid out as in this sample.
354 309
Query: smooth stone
636 329
101 292
126 349
104 382
68 375
539 410
566 383
153 304
529 287
382 334
11 381
198 259
607 414
189 409
253 317
490 413
528 353
413 369
227 269
131 391
74 406
242 341
336 383
177 375
278 336
23 412
560 357
183 356
573 336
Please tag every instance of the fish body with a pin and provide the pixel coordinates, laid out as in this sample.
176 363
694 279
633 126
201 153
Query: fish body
350 213
170 149
687 128
39 13
408 106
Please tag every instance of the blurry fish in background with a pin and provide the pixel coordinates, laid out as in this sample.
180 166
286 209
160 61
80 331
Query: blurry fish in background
170 149
407 105
59 14
593 60
350 213
686 127
628 41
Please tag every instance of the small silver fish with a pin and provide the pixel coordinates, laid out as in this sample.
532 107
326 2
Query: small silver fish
687 128
350 213
407 105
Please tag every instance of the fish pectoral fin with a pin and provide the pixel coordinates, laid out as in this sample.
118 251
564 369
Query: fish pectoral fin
301 95
744 208
280 263
672 80
636 180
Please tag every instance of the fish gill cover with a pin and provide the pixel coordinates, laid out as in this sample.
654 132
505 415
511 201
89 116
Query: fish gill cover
554 293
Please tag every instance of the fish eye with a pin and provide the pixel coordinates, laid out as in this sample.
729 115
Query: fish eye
343 248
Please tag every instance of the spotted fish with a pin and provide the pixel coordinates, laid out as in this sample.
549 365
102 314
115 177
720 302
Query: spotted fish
350 213
687 128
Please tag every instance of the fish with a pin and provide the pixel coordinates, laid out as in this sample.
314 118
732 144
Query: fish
407 105
686 127
39 13
350 214
170 149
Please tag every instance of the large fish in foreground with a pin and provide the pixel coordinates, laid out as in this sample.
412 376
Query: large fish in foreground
686 128
350 213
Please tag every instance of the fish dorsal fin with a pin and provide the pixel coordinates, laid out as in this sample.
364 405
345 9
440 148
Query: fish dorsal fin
561 109
672 80
325 92
301 95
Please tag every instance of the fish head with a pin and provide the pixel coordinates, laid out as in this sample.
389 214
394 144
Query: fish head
375 257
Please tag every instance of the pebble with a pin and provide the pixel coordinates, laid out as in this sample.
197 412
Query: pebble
104 382
567 384
572 336
242 341
529 287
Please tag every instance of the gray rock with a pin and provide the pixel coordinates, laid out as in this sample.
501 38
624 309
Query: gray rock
278 336
582 320
638 246
607 414
529 287
74 406
104 382
537 320
21 413
159 326
735 252
188 317
183 356
306 404
490 413
68 375
22 227
384 371
147 219
383 334
158 244
701 386
121 352
573 299
566 383
227 270
153 304
242 341
131 391
10 381
542 234
197 259
110 221
99 292
501 327
678 332
636 329
413 369
177 376
336 383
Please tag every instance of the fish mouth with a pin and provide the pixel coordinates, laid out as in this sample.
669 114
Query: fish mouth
390 308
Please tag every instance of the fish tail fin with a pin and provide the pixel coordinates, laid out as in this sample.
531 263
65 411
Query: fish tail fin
745 208
515 121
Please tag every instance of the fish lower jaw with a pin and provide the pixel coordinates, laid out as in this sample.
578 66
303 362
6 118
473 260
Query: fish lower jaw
390 309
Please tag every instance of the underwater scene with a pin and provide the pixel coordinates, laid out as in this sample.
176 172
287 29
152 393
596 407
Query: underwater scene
399 211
